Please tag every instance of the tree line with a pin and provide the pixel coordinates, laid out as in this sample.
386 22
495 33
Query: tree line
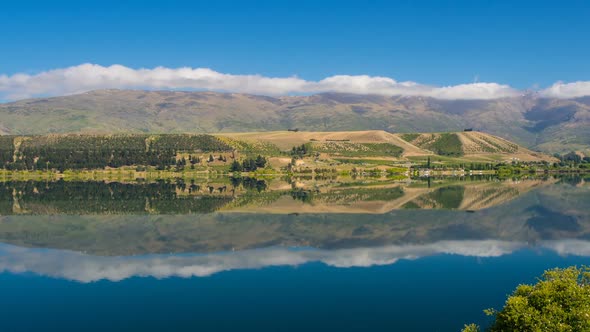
94 197
248 165
100 151
572 159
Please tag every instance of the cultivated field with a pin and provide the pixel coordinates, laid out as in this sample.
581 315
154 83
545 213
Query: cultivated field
465 145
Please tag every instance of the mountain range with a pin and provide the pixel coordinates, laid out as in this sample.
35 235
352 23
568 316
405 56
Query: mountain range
544 124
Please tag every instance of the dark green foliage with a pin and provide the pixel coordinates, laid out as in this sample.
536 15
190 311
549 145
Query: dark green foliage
306 196
63 197
189 143
383 149
409 137
6 150
97 152
478 166
180 164
301 150
236 166
260 161
559 301
411 205
249 165
449 197
446 145
92 152
254 184
368 194
571 157
249 183
6 199
194 159
252 164
470 328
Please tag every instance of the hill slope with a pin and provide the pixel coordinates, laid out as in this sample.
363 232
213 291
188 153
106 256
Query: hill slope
471 145
548 124
97 151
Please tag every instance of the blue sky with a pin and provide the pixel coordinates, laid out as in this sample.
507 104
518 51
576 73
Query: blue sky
523 44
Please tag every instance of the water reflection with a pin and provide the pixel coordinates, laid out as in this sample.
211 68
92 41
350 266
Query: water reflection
87 268
252 229
277 196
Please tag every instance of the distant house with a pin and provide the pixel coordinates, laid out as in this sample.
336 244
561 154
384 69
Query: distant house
294 129
468 129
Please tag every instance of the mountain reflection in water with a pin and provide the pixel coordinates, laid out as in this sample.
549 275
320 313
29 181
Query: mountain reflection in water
254 195
115 231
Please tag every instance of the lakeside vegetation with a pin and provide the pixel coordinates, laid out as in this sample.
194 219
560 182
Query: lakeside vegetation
143 156
63 152
559 301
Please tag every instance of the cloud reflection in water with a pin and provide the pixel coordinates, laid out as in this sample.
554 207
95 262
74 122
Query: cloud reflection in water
87 268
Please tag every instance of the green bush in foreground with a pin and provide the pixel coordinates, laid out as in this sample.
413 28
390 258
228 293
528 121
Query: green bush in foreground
560 301
471 328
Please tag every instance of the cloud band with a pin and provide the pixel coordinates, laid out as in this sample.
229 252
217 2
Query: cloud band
87 77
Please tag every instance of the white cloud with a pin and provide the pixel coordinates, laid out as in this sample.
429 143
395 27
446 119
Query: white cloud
86 77
567 90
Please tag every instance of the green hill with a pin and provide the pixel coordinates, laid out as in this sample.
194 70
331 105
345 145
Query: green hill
551 125
99 151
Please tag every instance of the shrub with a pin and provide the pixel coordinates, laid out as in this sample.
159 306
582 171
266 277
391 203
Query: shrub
559 301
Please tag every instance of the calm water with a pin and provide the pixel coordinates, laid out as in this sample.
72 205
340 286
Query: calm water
279 256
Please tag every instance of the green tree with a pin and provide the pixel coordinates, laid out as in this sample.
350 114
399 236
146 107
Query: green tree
260 161
235 166
249 165
470 328
301 150
559 301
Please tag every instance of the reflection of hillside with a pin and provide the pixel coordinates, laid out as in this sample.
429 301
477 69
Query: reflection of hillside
383 199
472 196
549 213
378 200
252 196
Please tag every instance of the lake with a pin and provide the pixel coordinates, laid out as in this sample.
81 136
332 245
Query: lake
280 254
